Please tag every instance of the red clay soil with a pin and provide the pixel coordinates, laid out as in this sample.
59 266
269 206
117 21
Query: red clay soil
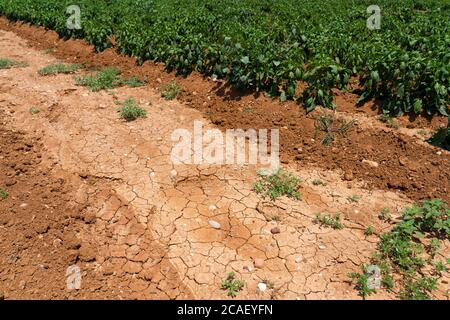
32 190
392 160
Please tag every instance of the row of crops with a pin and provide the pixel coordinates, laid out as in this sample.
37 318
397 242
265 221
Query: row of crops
272 45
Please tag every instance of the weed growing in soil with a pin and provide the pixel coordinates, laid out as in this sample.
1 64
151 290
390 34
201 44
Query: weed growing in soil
369 231
171 91
8 63
3 194
33 110
232 285
134 82
130 110
57 68
385 215
404 250
362 282
107 78
332 127
354 198
318 182
386 118
333 221
280 183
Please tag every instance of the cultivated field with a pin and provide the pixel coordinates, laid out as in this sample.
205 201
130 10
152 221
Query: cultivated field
96 204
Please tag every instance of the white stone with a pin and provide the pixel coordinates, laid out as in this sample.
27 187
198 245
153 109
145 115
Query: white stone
214 224
262 287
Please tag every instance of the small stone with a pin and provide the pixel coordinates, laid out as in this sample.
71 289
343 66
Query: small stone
89 217
72 257
261 287
259 263
356 211
439 153
173 173
212 207
348 176
322 247
214 224
403 161
24 205
298 259
248 268
275 230
43 228
373 164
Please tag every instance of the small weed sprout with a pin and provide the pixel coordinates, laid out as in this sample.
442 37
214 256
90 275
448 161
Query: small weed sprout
354 198
386 118
385 214
232 285
3 194
332 126
33 110
134 82
361 281
318 182
332 221
369 231
171 91
280 183
59 68
130 110
8 64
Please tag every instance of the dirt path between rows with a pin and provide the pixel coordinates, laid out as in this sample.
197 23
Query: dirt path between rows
88 189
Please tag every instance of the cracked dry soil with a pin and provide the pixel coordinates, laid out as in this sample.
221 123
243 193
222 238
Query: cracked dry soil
90 189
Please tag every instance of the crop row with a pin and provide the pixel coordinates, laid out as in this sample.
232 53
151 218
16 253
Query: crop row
273 45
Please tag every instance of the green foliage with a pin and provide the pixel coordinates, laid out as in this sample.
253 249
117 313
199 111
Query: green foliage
171 91
107 78
402 249
232 285
130 110
388 119
318 182
273 45
442 137
3 194
33 110
332 126
8 63
333 221
134 82
385 214
418 289
369 231
280 183
57 68
361 281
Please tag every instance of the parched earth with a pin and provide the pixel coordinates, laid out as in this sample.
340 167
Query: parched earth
88 189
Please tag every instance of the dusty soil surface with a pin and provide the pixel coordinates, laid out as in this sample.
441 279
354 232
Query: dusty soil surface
89 189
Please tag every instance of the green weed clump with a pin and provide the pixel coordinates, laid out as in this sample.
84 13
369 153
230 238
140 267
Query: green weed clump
232 285
8 63
409 250
130 110
332 221
280 183
57 68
